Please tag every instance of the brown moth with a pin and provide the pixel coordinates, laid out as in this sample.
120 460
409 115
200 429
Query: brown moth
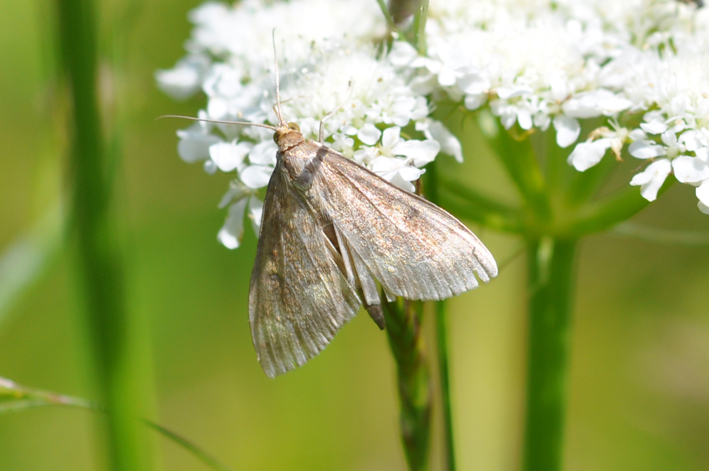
331 229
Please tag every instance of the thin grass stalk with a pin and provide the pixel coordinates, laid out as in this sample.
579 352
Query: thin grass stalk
432 193
403 321
551 266
98 261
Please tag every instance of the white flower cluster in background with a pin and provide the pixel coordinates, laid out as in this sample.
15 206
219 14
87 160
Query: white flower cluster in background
538 63
639 66
329 63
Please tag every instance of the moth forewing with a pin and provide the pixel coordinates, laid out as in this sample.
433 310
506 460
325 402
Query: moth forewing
330 230
298 298
412 247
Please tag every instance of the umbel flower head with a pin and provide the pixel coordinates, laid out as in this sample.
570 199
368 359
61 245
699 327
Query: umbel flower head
642 66
351 78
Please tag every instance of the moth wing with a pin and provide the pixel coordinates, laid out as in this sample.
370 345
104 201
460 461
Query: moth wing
414 248
298 297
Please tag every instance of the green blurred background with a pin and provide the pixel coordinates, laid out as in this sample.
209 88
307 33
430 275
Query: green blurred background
639 386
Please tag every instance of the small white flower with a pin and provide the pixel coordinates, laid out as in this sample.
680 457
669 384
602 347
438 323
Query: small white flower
369 134
587 154
185 79
435 130
567 130
399 171
692 170
256 176
233 229
703 196
646 149
229 156
195 142
651 179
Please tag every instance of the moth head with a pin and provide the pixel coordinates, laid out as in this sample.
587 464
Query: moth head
288 135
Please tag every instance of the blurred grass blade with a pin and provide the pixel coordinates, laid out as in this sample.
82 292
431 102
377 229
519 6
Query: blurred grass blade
26 258
662 236
14 398
99 266
205 457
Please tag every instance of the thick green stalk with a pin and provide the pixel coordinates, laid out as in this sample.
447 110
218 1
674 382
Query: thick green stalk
551 264
98 262
406 342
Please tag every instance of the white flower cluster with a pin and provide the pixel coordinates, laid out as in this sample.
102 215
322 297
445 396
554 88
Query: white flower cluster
640 65
323 70
537 63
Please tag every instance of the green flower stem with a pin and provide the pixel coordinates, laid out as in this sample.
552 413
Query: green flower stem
467 204
403 321
387 16
551 281
603 215
420 27
519 160
98 262
442 343
433 186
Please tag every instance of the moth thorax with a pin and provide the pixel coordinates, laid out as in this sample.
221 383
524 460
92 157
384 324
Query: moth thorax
287 137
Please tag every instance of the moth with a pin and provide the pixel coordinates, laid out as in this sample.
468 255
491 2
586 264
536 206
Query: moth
331 229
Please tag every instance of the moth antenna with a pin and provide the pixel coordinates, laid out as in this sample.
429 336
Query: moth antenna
278 85
321 134
216 121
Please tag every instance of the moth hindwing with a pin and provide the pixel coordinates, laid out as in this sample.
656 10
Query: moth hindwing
331 229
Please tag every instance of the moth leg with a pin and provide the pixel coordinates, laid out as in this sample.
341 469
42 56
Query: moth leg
366 287
368 290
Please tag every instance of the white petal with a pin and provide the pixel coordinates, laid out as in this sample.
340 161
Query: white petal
397 180
505 93
690 169
255 213
652 178
446 76
646 149
369 134
264 153
422 152
473 102
614 104
524 118
588 154
703 207
654 127
210 167
567 130
410 173
194 143
474 84
437 131
256 176
390 136
235 192
233 228
383 165
402 53
583 105
703 193
228 155
669 138
184 79
691 140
